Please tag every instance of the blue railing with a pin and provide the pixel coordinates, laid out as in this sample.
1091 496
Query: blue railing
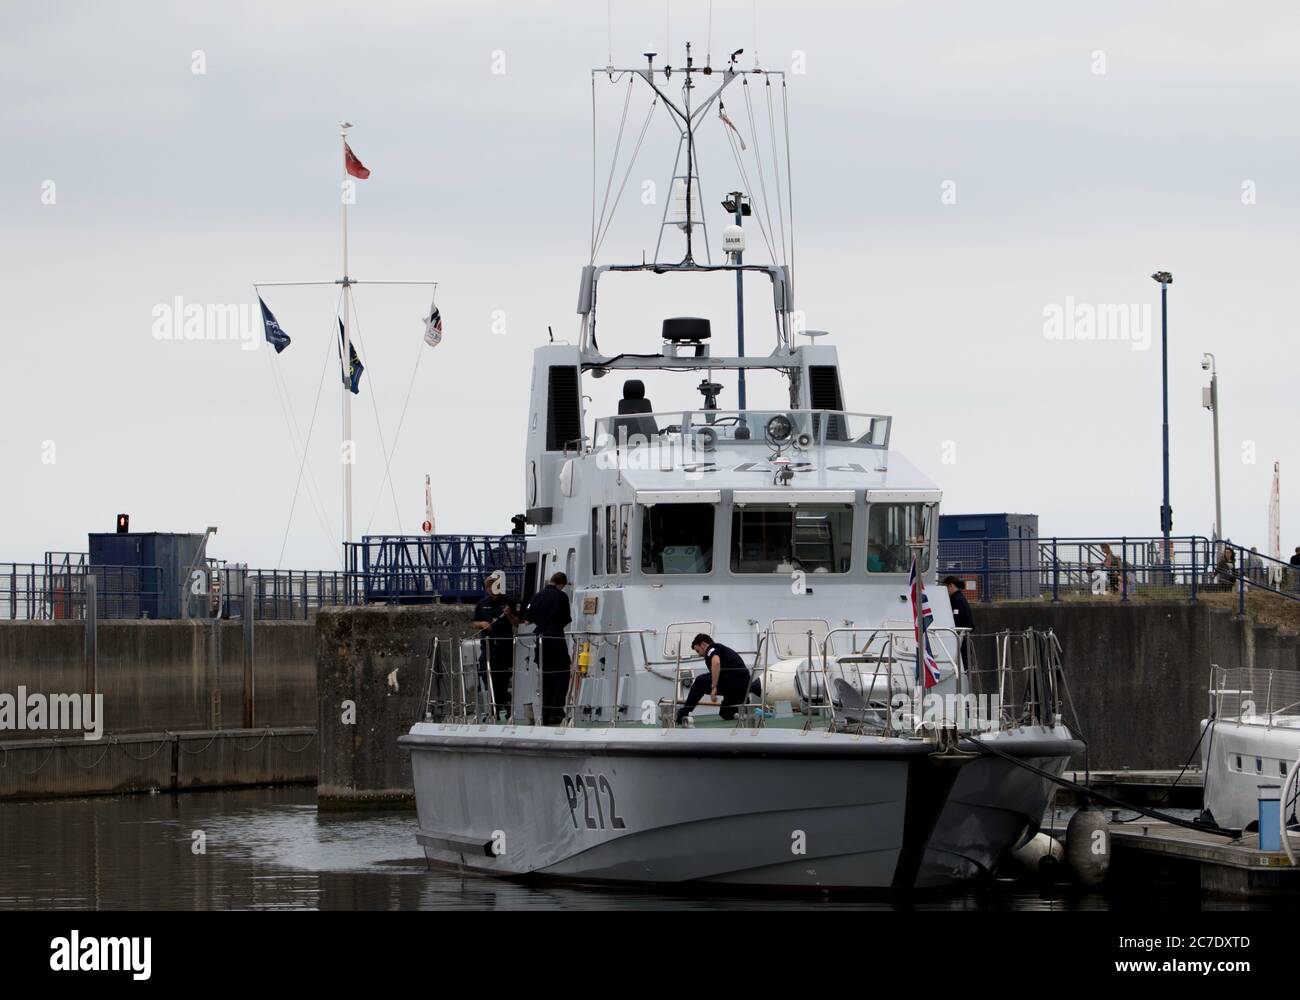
415 569
1126 567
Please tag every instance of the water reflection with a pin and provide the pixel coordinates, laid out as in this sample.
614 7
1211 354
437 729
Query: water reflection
270 849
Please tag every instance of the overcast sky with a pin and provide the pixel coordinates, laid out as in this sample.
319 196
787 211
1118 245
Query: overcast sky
1086 147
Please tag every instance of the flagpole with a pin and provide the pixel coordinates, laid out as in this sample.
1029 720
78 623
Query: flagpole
348 452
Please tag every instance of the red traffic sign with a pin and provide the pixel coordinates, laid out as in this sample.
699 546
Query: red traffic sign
427 527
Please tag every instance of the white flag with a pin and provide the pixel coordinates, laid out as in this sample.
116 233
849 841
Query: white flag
433 326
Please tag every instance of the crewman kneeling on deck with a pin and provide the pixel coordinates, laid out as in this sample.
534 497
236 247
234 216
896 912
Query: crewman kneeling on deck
726 675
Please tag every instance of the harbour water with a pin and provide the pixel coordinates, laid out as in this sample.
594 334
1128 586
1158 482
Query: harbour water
269 848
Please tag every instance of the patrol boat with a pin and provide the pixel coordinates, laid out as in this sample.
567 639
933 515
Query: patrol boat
788 533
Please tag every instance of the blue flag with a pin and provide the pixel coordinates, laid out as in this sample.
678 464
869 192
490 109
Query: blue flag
351 377
276 337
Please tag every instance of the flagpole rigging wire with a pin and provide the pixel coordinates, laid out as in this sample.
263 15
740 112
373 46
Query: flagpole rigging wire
315 408
374 402
388 461
321 518
300 449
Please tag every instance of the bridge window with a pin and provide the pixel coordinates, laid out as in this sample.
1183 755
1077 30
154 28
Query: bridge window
625 538
892 530
783 539
597 542
611 539
677 538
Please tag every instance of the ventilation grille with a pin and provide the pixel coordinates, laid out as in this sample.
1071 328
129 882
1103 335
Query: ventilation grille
824 394
563 413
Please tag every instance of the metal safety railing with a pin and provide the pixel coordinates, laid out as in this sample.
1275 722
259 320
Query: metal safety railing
413 569
858 691
1124 567
56 591
465 681
276 594
1254 696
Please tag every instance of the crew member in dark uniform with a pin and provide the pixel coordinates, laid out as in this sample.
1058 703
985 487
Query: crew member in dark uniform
495 616
961 613
726 675
549 611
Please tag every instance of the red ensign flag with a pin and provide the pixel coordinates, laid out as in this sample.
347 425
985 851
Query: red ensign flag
353 165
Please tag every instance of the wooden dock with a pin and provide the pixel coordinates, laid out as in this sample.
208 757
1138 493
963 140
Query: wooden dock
1152 852
1143 788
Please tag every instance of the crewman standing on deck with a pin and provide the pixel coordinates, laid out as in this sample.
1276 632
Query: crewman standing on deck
495 616
549 611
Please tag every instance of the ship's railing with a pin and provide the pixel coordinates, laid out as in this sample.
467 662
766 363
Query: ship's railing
1255 696
874 687
461 685
707 429
877 690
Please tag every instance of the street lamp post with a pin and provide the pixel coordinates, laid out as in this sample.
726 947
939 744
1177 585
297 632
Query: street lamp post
1210 400
1165 279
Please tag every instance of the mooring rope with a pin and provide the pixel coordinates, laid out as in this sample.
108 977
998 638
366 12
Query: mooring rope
1211 828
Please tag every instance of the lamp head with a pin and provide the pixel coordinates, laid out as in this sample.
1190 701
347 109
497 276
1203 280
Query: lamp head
1164 277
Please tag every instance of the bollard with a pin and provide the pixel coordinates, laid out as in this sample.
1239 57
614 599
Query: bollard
1270 814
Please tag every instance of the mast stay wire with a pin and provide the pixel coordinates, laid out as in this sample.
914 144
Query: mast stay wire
636 152
776 169
758 161
613 162
388 461
744 176
374 402
789 177
303 463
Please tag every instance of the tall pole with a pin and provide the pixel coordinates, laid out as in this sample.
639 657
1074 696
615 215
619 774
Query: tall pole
347 453
1214 409
738 198
690 153
1166 513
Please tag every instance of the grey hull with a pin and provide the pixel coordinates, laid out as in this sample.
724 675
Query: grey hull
744 807
994 806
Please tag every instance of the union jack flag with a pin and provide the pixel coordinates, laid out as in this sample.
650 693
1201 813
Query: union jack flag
922 619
